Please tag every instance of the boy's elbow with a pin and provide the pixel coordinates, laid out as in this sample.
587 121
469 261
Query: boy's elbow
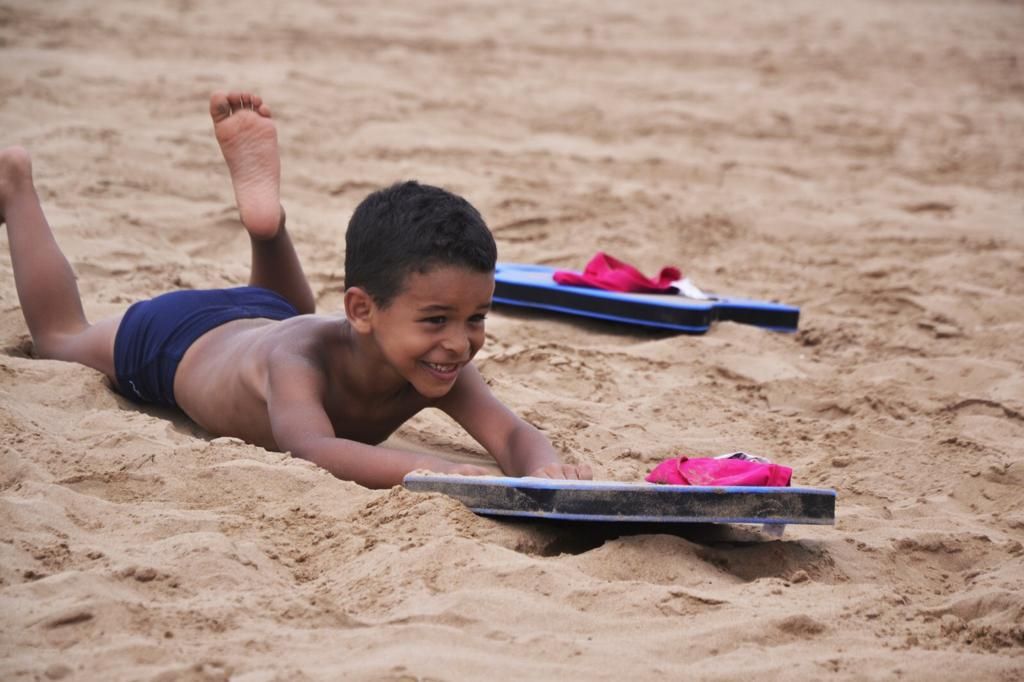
346 460
312 450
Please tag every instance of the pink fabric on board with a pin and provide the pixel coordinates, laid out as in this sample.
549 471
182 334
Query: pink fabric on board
720 472
605 272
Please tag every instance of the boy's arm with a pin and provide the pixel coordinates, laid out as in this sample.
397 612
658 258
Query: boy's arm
301 426
519 448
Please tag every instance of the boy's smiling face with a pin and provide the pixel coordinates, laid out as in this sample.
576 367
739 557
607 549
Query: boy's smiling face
434 327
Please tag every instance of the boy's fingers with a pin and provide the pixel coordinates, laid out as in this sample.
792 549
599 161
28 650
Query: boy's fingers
473 470
576 472
549 471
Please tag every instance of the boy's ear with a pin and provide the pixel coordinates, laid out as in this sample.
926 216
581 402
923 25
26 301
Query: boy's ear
359 309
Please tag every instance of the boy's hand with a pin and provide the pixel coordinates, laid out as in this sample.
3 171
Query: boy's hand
438 465
470 470
580 472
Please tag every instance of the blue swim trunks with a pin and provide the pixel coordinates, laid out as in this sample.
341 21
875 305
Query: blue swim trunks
154 334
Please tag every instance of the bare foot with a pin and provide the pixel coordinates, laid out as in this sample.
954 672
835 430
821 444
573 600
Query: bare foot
248 140
15 175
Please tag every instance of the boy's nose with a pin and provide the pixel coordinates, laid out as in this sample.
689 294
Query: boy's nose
456 342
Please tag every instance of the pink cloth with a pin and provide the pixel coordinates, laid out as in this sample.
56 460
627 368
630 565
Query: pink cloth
719 472
611 274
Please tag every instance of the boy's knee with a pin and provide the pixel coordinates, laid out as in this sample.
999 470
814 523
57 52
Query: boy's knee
90 345
50 346
69 346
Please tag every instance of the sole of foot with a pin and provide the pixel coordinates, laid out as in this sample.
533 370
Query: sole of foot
248 140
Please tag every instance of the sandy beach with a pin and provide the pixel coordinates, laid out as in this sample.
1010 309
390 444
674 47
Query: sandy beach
860 160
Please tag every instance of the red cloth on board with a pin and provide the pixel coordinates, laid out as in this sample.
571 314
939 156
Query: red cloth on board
720 472
605 272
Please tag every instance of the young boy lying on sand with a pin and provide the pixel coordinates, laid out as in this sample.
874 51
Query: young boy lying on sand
256 363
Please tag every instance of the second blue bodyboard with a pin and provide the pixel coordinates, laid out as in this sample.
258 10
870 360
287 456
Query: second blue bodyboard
533 286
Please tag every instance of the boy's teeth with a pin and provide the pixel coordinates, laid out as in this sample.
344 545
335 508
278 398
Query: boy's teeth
441 368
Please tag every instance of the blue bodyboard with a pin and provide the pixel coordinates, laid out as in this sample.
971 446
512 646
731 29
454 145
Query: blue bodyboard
610 501
533 286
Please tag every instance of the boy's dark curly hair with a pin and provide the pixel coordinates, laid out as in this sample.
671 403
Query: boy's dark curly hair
409 227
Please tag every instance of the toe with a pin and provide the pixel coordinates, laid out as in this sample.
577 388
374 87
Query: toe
220 108
235 100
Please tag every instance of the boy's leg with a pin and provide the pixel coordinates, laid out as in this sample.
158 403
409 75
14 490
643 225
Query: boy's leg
45 283
248 140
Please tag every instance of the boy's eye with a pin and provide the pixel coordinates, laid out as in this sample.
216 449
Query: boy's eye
438 319
478 319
